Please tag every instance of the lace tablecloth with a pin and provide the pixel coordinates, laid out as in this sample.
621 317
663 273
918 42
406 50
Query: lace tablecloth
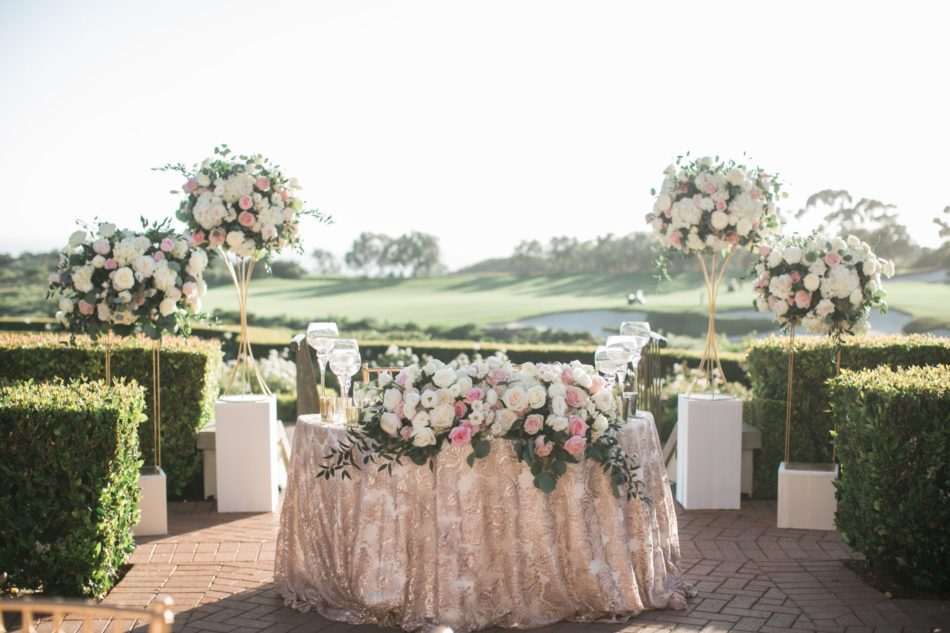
475 547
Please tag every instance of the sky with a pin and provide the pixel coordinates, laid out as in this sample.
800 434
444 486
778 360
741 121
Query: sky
481 122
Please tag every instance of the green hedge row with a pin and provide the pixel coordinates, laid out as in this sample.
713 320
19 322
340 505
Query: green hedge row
894 491
68 483
189 387
814 364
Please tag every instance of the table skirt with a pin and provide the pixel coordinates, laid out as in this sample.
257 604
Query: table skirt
472 548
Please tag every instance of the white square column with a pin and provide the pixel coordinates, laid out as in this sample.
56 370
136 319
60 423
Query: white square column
806 496
709 452
153 506
246 468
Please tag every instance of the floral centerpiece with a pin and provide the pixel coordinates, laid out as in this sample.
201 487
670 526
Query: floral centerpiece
124 281
245 206
555 413
710 207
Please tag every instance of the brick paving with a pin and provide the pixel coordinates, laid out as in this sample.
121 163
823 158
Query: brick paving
745 575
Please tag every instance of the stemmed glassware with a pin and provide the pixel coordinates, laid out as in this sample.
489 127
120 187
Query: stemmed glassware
344 362
623 349
639 331
607 363
321 336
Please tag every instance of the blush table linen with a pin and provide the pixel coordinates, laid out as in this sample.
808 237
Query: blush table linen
473 548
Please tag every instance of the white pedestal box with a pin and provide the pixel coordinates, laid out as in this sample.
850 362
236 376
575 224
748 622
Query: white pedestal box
246 459
709 452
153 506
806 496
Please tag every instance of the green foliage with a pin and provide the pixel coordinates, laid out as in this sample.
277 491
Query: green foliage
189 386
894 491
814 364
68 483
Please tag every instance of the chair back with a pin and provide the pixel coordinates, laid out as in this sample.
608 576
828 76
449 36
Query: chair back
650 376
72 615
308 400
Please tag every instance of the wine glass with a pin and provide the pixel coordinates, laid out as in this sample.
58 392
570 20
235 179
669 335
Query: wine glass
344 362
640 332
624 349
606 363
321 336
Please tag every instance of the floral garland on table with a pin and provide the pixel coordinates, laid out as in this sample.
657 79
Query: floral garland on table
123 281
826 285
555 413
709 206
246 206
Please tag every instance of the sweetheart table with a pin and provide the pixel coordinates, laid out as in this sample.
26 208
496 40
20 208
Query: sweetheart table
475 547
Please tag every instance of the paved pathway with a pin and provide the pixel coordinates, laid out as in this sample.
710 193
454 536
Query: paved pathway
746 575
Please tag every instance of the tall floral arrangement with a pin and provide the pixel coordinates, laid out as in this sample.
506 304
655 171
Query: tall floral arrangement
246 207
125 281
826 285
555 413
709 207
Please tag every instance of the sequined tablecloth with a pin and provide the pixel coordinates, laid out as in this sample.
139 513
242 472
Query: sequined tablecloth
475 547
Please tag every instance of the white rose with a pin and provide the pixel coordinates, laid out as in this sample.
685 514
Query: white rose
144 267
743 227
180 249
432 366
774 258
464 383
736 176
604 400
235 239
819 267
103 312
693 242
515 398
430 398
98 261
198 262
853 241
663 202
537 396
410 399
781 307
442 417
888 268
203 180
837 244
444 377
174 294
559 423
65 304
419 419
600 424
389 423
391 397
77 238
824 308
582 378
558 405
423 436
812 282
761 304
557 389
857 297
167 306
719 220
792 254
872 286
384 379
491 397
123 279
528 370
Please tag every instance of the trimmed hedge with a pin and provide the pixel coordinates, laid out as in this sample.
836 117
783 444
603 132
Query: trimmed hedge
894 491
68 483
767 364
189 387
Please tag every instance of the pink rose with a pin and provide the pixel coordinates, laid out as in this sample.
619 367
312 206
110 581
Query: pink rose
791 301
191 186
190 289
460 436
732 237
246 218
575 425
460 409
167 245
832 258
567 375
102 246
598 382
85 307
400 380
575 396
575 445
496 376
197 237
533 423
720 205
158 256
710 187
398 409
284 195
772 301
262 183
54 278
475 393
764 250
216 237
795 276
110 264
246 202
540 448
405 432
803 299
676 239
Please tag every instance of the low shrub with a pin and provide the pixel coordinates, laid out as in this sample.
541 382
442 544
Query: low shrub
68 483
893 442
814 364
189 387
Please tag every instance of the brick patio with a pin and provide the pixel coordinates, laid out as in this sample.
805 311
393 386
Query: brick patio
746 575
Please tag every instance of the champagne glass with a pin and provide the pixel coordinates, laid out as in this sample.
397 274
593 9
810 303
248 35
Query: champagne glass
344 362
640 332
321 336
607 364
623 348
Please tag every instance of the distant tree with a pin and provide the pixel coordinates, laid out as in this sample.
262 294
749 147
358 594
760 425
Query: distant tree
366 253
413 254
944 224
326 262
286 269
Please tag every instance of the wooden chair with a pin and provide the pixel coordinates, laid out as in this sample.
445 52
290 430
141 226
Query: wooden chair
59 616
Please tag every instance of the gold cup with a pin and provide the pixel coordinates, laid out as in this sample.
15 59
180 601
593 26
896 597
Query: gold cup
327 409
351 414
